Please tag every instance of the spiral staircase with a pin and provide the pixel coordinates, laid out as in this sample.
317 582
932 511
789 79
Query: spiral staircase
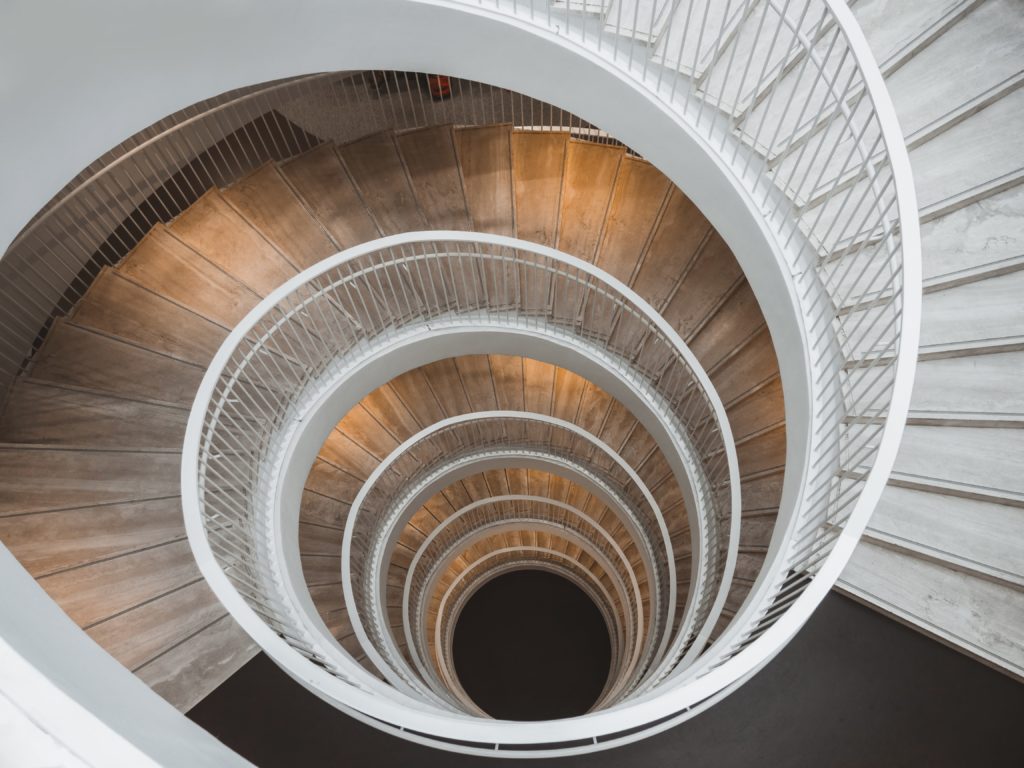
409 345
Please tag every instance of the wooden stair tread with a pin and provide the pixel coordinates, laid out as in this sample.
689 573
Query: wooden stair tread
45 542
140 634
39 479
485 158
216 230
538 163
269 204
50 415
711 276
189 671
377 172
166 266
637 198
324 185
429 156
675 241
590 172
115 305
103 589
77 356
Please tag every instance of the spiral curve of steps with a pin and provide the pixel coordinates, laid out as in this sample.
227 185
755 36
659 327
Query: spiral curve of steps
940 552
117 375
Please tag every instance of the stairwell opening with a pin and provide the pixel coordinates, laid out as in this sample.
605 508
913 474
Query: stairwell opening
531 645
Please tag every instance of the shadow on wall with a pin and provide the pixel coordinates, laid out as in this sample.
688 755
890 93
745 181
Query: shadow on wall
852 689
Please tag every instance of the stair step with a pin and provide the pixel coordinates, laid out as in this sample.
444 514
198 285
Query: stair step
332 482
988 384
182 675
325 187
973 457
756 359
39 479
485 159
538 164
47 542
763 451
40 413
942 602
681 234
986 232
986 146
84 358
166 266
734 322
429 157
266 201
711 278
378 174
890 28
474 373
639 194
216 231
101 590
590 173
118 307
141 634
965 533
757 410
976 311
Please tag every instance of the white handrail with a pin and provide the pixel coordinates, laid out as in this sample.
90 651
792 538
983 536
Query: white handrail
222 510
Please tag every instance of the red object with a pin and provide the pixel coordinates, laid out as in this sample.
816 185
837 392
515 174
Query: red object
440 86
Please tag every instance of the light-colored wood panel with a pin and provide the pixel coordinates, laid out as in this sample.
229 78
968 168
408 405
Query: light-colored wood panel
45 542
319 540
165 265
429 156
475 372
538 385
100 590
139 635
446 384
639 193
507 371
378 173
38 479
73 355
764 451
187 673
44 414
674 243
267 202
216 230
362 428
708 281
485 157
414 391
119 307
324 185
590 171
538 161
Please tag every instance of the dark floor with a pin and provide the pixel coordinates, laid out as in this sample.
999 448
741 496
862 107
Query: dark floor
528 646
853 689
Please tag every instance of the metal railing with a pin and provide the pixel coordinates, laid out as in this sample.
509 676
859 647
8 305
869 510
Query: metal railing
310 336
154 175
623 603
787 95
446 451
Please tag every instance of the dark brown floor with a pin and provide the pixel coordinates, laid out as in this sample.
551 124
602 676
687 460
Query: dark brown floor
853 689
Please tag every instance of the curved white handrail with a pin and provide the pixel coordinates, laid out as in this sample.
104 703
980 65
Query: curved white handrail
333 677
416 491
